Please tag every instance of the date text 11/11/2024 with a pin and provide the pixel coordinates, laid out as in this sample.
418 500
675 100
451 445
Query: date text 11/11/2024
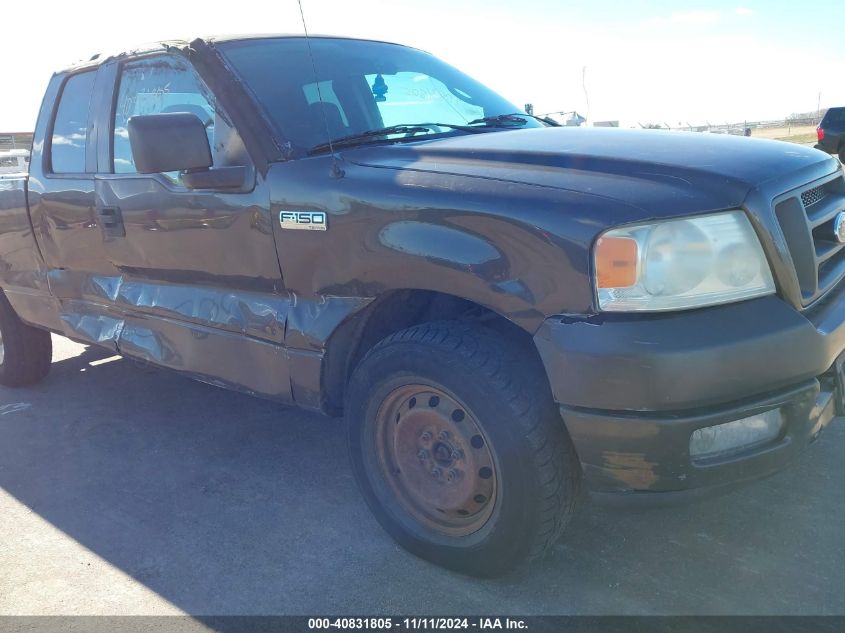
419 623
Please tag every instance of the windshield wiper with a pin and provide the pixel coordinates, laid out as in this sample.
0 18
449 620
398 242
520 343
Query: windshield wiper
509 120
411 129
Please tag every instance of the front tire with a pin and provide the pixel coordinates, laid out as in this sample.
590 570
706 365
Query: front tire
459 449
842 155
25 351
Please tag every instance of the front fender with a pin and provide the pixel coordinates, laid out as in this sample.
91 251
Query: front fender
519 250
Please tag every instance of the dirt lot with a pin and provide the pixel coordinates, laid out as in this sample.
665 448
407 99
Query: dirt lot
803 134
129 490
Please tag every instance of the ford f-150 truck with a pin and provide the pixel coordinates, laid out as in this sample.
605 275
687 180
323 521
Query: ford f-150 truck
503 310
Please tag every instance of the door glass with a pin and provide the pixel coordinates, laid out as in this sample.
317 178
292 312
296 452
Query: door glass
164 84
70 128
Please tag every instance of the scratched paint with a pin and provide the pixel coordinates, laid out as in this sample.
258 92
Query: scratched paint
16 407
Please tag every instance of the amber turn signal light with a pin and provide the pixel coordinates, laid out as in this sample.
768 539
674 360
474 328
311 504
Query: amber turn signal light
616 262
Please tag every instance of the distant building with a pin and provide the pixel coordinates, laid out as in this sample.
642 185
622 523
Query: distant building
13 161
575 120
15 140
568 119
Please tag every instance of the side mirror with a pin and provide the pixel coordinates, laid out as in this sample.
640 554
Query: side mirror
178 142
168 142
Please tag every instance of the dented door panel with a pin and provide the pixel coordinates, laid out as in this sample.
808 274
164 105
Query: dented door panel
173 233
199 289
271 345
210 355
260 316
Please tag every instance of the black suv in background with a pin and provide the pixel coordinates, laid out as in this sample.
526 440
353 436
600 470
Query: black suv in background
832 132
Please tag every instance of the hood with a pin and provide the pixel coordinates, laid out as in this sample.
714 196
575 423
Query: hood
656 170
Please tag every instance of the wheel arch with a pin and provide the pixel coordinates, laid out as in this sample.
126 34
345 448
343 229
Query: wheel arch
397 310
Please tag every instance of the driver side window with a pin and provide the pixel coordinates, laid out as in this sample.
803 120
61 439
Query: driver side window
164 84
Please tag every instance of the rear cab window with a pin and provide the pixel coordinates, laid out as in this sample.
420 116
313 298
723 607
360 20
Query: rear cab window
69 138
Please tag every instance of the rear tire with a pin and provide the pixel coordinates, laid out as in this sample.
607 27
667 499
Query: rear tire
25 351
459 449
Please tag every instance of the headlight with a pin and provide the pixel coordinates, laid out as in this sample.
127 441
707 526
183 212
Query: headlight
680 264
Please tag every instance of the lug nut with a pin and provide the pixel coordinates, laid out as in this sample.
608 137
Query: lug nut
423 454
436 473
444 435
426 436
453 474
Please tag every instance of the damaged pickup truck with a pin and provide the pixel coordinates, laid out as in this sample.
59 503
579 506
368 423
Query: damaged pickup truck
502 309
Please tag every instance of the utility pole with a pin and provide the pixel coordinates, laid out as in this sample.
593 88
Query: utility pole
584 86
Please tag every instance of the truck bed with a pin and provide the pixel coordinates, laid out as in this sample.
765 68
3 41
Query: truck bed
21 265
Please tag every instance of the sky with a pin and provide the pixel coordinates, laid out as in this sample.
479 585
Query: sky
637 61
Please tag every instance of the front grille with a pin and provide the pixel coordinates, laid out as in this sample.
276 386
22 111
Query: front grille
812 196
807 218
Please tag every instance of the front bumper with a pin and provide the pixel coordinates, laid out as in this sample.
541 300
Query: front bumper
633 452
634 388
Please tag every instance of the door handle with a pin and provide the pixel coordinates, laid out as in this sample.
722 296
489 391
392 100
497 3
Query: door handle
111 221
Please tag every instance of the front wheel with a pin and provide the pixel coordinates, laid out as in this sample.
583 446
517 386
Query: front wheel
458 448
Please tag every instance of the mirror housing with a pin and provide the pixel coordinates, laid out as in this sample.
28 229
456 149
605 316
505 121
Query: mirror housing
221 178
168 142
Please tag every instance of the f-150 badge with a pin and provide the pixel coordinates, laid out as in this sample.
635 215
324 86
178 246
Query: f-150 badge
303 220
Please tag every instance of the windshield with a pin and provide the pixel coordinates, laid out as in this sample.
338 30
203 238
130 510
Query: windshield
364 86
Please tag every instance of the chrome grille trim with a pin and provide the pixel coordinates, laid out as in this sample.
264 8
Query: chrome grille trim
806 216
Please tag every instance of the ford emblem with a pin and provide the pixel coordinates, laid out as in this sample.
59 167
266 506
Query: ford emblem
839 227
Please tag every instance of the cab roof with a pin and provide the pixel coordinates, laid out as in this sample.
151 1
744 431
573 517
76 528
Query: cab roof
179 44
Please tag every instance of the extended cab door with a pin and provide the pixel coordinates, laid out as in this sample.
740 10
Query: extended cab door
62 204
200 284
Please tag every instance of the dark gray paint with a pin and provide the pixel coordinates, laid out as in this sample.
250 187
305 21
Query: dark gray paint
206 282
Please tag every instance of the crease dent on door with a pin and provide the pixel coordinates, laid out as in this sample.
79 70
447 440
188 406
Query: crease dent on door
219 336
267 345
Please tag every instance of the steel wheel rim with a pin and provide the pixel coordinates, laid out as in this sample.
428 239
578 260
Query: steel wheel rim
436 459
